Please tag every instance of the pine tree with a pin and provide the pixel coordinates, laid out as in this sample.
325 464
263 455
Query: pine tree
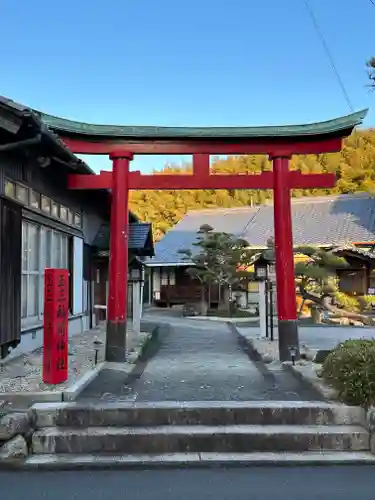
316 279
221 259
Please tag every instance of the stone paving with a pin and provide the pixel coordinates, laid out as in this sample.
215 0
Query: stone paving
202 361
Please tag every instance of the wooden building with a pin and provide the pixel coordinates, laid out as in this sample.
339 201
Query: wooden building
344 222
43 224
175 286
359 278
140 245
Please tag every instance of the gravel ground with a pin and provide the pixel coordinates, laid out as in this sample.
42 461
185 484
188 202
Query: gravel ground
24 374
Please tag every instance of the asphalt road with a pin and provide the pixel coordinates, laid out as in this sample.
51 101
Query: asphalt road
257 483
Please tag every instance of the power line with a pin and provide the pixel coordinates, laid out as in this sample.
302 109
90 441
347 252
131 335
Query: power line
373 2
328 53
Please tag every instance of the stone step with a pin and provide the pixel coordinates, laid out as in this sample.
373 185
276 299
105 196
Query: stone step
195 413
195 460
200 439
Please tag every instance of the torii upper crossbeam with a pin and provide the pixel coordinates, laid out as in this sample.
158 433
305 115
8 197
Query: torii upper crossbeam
279 143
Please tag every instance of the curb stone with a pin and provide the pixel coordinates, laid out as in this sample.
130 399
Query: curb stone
234 321
73 391
131 371
304 373
307 375
187 461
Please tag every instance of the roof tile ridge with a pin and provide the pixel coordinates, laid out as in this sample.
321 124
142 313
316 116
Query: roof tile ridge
329 198
243 208
252 217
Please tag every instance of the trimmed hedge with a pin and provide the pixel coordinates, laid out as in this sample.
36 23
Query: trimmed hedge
350 370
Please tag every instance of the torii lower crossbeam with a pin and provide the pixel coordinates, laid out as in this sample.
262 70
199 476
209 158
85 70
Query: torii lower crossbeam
265 180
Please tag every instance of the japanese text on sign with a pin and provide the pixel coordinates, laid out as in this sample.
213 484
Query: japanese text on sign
56 314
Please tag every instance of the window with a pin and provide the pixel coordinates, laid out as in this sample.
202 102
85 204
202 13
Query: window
55 209
41 247
77 219
21 194
164 277
31 198
70 217
10 189
30 270
63 213
34 200
46 204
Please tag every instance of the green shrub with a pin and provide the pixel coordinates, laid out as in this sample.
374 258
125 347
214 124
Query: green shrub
347 302
366 302
350 369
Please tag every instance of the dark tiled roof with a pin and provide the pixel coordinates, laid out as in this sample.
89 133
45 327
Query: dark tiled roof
30 117
352 249
184 234
139 235
35 118
326 221
140 238
321 221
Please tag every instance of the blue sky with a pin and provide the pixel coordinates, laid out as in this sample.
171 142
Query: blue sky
186 62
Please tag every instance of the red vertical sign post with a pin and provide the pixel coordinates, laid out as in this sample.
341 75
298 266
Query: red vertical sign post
56 314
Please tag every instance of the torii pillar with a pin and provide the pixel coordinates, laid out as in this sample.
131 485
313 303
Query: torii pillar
118 258
285 279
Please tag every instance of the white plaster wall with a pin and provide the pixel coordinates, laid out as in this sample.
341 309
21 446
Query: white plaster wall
156 282
33 339
241 297
254 298
78 290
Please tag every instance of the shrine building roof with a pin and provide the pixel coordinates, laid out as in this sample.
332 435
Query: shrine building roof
323 221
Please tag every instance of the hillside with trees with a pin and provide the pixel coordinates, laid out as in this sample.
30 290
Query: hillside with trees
354 167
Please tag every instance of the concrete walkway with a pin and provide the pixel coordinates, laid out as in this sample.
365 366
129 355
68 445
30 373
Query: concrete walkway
202 361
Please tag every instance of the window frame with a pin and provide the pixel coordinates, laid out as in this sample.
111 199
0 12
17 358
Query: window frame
46 240
73 218
26 272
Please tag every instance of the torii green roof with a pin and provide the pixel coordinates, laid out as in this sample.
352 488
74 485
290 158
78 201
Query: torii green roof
70 127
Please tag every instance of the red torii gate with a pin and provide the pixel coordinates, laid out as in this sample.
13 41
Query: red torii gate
279 143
